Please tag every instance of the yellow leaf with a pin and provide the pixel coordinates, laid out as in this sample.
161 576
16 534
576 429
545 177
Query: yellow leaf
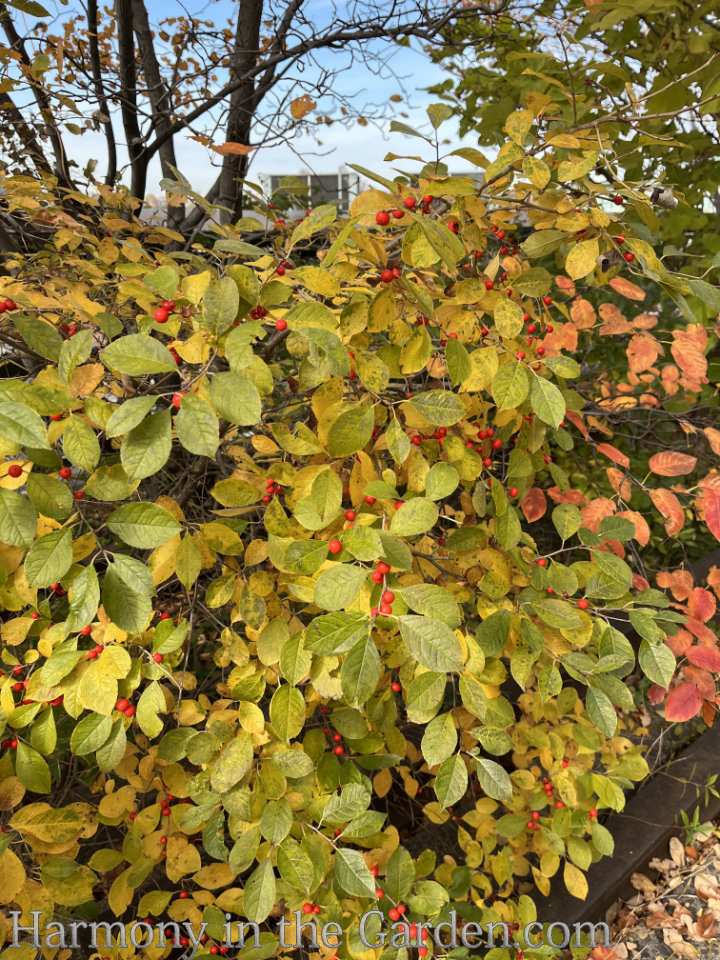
575 881
13 875
302 105
537 172
581 259
98 689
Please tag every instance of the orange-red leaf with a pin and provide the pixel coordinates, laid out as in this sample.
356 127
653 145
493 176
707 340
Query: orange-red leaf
642 530
642 352
690 359
681 583
706 657
701 604
627 289
617 456
669 463
534 504
683 703
713 436
582 314
239 149
669 506
710 503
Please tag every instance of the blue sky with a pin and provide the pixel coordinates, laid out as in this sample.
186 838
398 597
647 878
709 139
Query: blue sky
366 145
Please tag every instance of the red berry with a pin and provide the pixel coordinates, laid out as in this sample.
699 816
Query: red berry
520 354
370 500
547 301
177 400
496 444
164 616
388 596
374 870
86 631
385 609
339 750
160 315
387 276
629 257
65 473
398 504
13 744
583 604
166 812
513 491
158 657
535 815
550 591
15 470
382 217
337 737
379 894
130 711
409 202
548 329
35 615
398 214
542 562
427 199
487 462
376 576
349 514
393 914
383 567
78 495
56 416
416 440
531 328
122 705
618 201
593 813
316 908
92 655
334 546
280 324
280 271
395 687
559 804
540 351
489 284
620 238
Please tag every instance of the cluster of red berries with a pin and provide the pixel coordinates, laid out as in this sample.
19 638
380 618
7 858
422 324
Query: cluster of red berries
382 217
7 305
388 275
125 707
272 489
338 749
258 312
95 652
308 908
58 589
9 744
163 312
282 268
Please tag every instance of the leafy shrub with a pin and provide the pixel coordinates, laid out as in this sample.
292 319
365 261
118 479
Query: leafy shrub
282 554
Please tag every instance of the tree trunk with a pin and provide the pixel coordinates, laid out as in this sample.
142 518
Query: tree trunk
242 106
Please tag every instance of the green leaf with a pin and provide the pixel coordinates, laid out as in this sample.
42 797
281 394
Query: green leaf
197 427
510 385
353 800
80 444
351 430
547 401
233 763
433 601
399 874
440 407
146 449
49 558
458 361
75 350
44 733
567 520
23 426
110 754
414 517
40 336
432 643
276 820
220 305
138 354
84 599
90 734
442 479
360 672
236 399
143 525
259 894
338 586
353 874
657 662
557 614
494 780
150 705
51 497
601 711
295 866
128 415
398 442
336 632
188 562
163 281
126 593
287 711
439 740
18 519
31 770
451 781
